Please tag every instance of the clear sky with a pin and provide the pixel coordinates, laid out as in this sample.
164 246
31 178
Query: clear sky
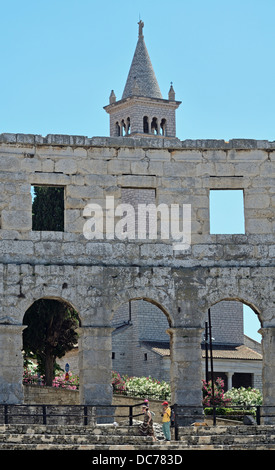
61 58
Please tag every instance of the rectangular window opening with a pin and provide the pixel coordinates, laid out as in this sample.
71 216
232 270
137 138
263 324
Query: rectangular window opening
227 211
48 208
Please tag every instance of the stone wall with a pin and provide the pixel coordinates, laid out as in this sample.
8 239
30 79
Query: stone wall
98 276
43 395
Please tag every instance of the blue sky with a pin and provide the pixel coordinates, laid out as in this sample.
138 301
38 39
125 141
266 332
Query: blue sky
60 59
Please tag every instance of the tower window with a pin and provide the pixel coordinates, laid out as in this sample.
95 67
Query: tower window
145 125
123 128
154 126
163 127
117 129
128 126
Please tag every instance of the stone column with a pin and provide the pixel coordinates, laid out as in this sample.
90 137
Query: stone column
229 380
95 365
186 372
11 364
268 373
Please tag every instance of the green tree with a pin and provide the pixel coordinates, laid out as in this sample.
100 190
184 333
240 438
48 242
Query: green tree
50 333
48 208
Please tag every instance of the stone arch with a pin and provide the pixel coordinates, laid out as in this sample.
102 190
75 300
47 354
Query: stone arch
140 338
26 303
228 333
242 300
163 301
28 315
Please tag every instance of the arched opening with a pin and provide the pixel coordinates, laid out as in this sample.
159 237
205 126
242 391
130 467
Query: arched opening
145 125
140 344
128 126
163 127
117 130
123 128
235 345
50 335
154 126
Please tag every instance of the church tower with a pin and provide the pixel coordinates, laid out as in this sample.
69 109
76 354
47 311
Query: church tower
142 111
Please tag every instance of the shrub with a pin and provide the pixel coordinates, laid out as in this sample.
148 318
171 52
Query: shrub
244 396
219 398
31 376
147 387
118 383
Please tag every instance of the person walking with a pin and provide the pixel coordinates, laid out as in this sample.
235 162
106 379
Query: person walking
166 418
146 428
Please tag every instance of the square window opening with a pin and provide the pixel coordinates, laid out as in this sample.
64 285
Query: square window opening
47 208
227 211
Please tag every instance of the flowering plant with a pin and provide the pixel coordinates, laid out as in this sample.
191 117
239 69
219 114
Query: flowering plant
118 382
244 396
31 376
147 387
219 398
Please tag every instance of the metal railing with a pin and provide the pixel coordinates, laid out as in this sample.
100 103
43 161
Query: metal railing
66 414
89 415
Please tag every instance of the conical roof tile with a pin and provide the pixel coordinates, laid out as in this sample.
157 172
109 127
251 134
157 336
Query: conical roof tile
141 75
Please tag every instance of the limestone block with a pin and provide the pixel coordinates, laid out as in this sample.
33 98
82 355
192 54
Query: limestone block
16 220
257 201
67 166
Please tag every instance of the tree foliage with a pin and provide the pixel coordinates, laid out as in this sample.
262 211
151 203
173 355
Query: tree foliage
48 208
51 332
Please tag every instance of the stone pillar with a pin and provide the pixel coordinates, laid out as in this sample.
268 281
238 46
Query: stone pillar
186 372
95 365
229 380
268 373
11 364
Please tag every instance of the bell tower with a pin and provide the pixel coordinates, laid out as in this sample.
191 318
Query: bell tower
142 111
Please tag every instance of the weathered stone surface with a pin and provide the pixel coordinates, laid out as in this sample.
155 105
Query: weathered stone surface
98 275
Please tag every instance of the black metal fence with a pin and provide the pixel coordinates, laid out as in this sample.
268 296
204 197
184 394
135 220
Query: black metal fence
89 415
67 414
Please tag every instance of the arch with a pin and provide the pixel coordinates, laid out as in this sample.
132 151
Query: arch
155 126
123 128
163 127
145 125
117 129
140 341
146 293
237 353
128 126
250 304
58 332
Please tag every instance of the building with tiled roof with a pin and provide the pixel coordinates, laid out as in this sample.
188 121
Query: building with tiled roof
141 346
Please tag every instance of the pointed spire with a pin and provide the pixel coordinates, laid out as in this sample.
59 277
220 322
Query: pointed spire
112 98
171 93
141 71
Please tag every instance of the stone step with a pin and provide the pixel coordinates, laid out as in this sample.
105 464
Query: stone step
228 439
134 447
108 436
71 439
100 429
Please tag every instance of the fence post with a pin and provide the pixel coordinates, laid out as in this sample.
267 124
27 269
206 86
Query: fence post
130 415
176 422
258 415
6 414
85 415
44 410
214 416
